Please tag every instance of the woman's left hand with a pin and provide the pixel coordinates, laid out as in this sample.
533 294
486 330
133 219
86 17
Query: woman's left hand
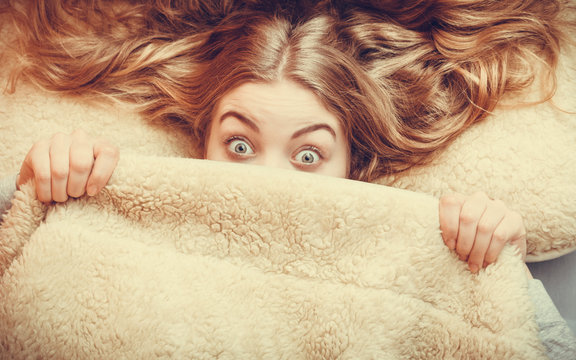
478 227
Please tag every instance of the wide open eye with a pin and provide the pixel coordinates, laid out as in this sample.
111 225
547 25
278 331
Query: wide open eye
308 157
240 147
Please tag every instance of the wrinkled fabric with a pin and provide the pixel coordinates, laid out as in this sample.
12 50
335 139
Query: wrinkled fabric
181 258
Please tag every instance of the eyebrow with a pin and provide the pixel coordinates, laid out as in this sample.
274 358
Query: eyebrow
251 124
314 127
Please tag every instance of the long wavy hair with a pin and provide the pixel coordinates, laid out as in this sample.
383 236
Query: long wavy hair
404 77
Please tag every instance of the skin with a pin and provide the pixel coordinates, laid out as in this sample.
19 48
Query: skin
260 124
478 228
283 125
68 166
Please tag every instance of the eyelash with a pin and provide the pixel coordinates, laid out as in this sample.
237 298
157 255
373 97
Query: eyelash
302 166
232 138
234 155
312 148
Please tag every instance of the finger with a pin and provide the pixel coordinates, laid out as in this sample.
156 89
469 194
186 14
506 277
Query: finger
37 163
470 214
59 166
81 162
449 213
26 170
498 242
491 218
512 230
106 159
518 238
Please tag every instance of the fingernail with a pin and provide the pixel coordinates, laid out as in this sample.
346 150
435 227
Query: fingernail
91 190
474 268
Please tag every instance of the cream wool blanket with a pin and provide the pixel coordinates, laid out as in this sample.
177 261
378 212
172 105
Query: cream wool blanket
181 258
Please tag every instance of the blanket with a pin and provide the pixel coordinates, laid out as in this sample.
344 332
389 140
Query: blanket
181 258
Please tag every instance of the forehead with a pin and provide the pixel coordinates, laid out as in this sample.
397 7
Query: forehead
283 98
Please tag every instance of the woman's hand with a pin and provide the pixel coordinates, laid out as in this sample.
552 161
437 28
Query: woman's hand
478 228
68 165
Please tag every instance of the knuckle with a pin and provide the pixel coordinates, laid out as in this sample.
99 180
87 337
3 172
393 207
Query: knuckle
467 217
484 227
42 178
474 255
499 236
463 247
80 165
39 146
96 178
59 136
60 174
449 235
109 150
449 201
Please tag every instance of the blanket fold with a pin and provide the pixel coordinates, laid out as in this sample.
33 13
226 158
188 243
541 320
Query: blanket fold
181 258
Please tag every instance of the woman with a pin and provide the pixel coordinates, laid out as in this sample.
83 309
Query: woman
337 89
400 85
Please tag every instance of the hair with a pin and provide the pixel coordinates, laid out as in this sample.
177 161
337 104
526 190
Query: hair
404 77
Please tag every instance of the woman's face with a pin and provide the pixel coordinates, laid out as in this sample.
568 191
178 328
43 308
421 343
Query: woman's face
279 124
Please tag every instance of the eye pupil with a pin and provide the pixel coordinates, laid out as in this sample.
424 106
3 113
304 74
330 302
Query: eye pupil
240 148
308 158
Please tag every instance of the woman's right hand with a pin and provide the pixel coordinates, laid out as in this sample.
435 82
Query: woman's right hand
69 166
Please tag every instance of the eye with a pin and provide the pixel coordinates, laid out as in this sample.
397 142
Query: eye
308 157
239 146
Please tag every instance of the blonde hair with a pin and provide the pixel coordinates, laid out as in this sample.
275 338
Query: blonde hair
404 77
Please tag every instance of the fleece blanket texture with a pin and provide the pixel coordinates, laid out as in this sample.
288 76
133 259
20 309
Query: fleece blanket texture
181 258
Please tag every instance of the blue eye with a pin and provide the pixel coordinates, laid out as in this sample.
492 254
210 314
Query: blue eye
308 157
240 147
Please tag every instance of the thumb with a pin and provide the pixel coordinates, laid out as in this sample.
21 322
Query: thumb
26 174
